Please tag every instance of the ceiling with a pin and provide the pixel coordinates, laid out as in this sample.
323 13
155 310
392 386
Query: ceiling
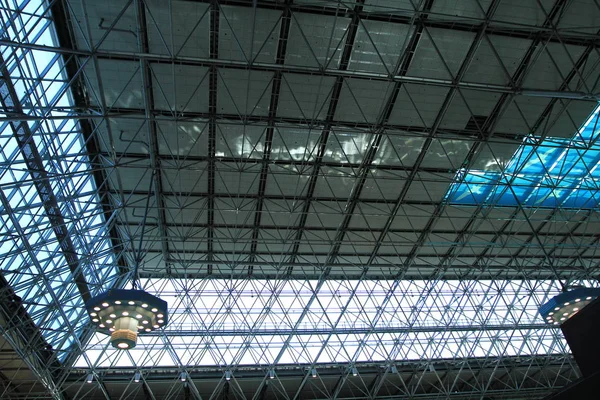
393 187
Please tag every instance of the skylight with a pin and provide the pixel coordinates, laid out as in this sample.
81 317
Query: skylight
35 83
552 172
217 322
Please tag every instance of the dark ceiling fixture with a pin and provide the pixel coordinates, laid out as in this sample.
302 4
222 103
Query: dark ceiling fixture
563 306
126 313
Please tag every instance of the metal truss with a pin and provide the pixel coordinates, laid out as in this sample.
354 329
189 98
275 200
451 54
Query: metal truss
298 155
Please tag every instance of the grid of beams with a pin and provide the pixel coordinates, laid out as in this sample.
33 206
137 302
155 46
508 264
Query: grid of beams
312 143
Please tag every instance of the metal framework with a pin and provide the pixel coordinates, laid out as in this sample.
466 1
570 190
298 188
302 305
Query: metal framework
302 160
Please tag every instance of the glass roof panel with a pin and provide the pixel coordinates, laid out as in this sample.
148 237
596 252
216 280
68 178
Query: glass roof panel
550 172
46 178
215 322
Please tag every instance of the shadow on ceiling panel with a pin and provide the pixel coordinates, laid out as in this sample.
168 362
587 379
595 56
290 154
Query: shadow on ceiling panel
362 100
248 34
452 47
178 28
417 105
496 59
180 88
516 12
305 97
316 40
379 46
182 139
274 242
244 92
455 218
240 141
295 143
98 17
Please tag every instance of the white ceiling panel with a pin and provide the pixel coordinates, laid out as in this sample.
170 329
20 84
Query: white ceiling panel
451 9
520 116
234 211
325 214
515 12
180 87
429 187
295 143
440 53
248 34
468 104
185 210
283 213
347 146
553 63
236 179
379 46
240 141
289 181
184 176
316 40
446 152
370 215
580 16
335 182
304 96
179 28
399 148
244 92
497 59
125 136
418 105
121 81
383 185
566 117
93 20
495 154
362 100
183 139
412 217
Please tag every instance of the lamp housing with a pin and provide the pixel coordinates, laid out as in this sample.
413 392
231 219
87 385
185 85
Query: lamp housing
124 314
566 304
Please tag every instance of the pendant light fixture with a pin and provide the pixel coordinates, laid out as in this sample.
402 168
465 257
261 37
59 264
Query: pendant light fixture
126 313
563 306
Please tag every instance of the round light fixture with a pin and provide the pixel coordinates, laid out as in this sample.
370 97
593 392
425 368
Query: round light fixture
563 306
123 315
